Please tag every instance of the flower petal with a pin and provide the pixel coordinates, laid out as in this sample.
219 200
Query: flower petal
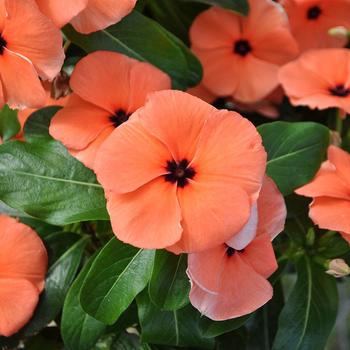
243 291
176 119
23 254
61 11
212 210
29 33
341 161
21 84
331 213
100 14
130 158
79 123
148 217
271 208
230 151
18 299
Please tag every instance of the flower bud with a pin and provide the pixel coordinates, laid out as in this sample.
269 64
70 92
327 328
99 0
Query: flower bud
338 268
338 32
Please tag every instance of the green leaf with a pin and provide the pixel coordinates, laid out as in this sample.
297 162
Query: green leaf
41 179
310 312
295 152
169 285
211 329
59 278
9 125
79 330
144 39
36 128
177 327
239 6
117 275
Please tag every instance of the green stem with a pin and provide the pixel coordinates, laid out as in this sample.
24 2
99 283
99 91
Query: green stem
66 45
339 122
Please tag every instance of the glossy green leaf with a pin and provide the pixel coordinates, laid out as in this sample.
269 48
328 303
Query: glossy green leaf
310 311
177 327
79 330
41 179
59 278
9 125
169 285
36 128
117 275
211 329
239 6
295 152
144 39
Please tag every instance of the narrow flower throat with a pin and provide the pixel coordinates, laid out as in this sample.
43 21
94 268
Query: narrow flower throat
119 117
179 172
313 12
3 44
340 91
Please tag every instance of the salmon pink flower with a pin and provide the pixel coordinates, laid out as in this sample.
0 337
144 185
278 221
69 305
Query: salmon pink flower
30 47
330 190
241 55
86 16
107 87
177 170
311 20
229 280
318 79
23 265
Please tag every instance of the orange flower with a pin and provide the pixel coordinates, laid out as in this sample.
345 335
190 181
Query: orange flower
86 16
177 170
241 55
229 280
30 47
107 87
23 265
318 79
330 208
311 20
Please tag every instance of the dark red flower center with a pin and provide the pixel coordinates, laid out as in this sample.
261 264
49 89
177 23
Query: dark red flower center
242 47
231 251
119 117
339 90
313 12
3 44
179 172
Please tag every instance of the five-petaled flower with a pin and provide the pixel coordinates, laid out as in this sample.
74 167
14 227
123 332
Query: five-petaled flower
241 55
107 88
176 172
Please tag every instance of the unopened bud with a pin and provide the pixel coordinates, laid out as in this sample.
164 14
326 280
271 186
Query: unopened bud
60 86
338 268
335 138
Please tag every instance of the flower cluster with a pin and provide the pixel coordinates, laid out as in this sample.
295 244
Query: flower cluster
178 172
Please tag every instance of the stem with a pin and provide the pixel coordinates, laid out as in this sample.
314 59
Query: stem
66 45
339 122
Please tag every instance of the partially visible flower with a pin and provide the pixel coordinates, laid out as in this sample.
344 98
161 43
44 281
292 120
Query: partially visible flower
107 88
180 173
338 268
318 79
23 265
30 47
330 190
86 16
311 20
24 114
241 55
230 280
